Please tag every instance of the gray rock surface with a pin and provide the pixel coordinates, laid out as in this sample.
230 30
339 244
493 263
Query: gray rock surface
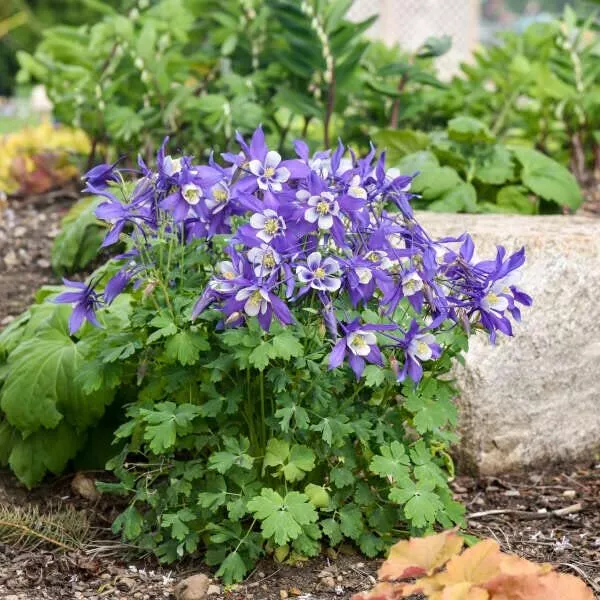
534 398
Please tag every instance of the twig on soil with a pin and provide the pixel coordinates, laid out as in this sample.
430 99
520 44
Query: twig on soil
523 514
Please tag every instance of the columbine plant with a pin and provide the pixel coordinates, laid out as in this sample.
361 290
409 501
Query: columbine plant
286 328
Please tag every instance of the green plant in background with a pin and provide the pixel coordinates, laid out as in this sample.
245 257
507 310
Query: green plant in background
539 88
466 169
80 238
200 69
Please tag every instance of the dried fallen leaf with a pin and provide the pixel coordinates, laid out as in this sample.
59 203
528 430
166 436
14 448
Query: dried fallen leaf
551 586
420 556
85 486
475 565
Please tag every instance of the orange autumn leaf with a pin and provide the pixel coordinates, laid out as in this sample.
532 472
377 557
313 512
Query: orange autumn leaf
481 572
515 565
420 556
550 586
475 565
461 591
382 591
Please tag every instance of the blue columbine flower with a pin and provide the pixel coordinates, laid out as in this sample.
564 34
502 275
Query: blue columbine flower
85 302
331 227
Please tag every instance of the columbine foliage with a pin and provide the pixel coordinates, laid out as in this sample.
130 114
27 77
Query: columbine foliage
279 329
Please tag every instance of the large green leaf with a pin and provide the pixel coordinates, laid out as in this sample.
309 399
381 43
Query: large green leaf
514 198
40 388
548 179
417 162
496 167
433 182
399 143
468 129
462 198
44 450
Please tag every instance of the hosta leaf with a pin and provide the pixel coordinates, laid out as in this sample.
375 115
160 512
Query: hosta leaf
548 179
44 450
40 388
420 556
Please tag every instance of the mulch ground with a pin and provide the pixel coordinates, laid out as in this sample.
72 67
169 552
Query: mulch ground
547 516
550 515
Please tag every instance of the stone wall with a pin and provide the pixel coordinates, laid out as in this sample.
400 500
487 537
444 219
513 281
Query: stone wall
535 398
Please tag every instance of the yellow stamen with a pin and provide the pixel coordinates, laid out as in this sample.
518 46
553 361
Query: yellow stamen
269 172
271 226
256 298
323 207
422 348
320 273
220 196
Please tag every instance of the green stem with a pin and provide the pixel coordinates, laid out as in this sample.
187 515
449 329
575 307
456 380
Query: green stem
261 381
504 112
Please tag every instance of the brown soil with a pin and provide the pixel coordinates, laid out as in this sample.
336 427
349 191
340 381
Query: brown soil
27 230
515 509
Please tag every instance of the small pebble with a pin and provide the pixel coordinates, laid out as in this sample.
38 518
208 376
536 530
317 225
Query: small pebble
283 594
569 493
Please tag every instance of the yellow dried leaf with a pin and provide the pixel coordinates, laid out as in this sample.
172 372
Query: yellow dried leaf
420 556
515 565
475 565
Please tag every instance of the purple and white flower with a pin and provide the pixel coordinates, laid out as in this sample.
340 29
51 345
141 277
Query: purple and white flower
264 259
269 175
268 224
322 209
319 273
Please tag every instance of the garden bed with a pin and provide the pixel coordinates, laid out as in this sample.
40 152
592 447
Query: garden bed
516 510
